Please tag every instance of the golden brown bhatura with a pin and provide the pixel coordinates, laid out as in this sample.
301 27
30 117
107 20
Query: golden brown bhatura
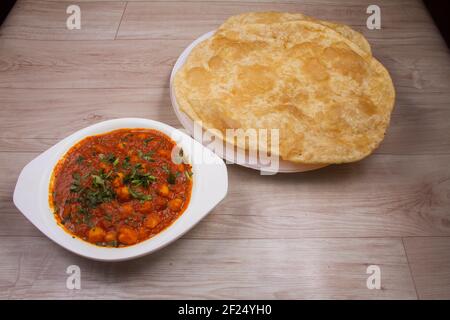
315 81
278 17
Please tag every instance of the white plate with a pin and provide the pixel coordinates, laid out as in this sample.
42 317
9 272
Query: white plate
210 184
240 157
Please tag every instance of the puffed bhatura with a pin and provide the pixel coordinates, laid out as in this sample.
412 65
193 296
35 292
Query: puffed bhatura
315 81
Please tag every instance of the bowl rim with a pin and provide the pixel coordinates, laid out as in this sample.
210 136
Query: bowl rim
210 186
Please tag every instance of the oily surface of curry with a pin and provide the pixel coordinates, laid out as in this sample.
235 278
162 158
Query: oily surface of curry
120 188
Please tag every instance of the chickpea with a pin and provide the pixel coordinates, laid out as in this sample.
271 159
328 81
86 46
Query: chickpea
122 193
96 234
66 212
105 166
146 207
111 236
100 149
126 209
152 221
118 181
159 203
142 233
128 236
164 153
175 204
163 190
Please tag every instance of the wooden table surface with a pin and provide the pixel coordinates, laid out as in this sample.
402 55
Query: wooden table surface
306 235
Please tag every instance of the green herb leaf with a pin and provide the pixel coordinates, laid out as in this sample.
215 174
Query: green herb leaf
98 180
165 168
99 191
138 178
139 195
110 158
146 156
76 183
126 163
80 159
147 140
171 178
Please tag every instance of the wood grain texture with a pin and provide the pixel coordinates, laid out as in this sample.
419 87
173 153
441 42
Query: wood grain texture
87 64
413 117
188 269
308 235
46 20
180 20
84 106
382 196
147 63
429 259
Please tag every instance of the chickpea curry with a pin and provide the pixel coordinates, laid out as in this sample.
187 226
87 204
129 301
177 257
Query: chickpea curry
120 188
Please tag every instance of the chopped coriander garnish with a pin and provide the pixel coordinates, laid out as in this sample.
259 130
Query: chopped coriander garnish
80 159
146 156
98 181
165 168
171 178
76 183
126 163
109 158
139 195
147 140
99 191
137 178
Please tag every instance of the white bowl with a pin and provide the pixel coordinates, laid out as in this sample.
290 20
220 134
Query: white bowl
240 156
210 184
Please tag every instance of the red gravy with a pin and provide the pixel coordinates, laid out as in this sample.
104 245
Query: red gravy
120 188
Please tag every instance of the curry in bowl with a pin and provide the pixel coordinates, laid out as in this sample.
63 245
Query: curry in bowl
120 188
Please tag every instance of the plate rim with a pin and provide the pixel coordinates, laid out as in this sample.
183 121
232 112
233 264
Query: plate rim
188 124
